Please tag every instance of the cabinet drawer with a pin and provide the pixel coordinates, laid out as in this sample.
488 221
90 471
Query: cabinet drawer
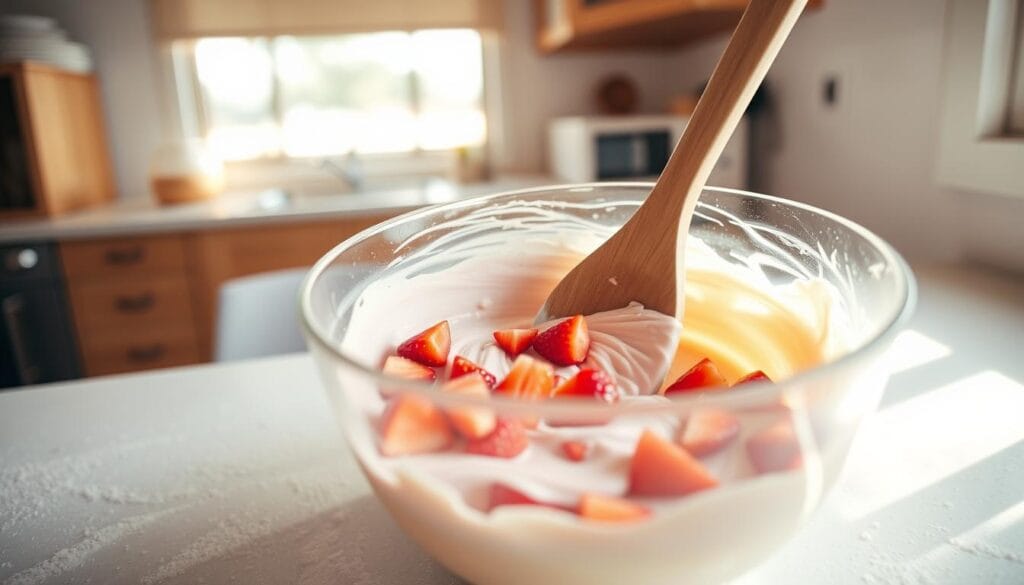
142 349
129 303
101 259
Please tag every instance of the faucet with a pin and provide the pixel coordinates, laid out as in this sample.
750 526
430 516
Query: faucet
350 172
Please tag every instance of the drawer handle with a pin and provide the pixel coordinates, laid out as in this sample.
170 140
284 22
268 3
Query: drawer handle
135 304
146 353
125 256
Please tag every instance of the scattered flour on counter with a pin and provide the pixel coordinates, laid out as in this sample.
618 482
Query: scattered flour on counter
71 557
984 549
230 534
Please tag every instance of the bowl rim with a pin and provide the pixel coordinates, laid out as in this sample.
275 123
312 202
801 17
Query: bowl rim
750 394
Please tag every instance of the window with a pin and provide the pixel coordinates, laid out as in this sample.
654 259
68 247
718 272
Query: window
320 96
982 141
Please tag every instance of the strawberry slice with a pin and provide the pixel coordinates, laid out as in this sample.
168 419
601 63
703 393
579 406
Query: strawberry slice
515 341
503 495
589 382
429 347
660 468
755 376
575 450
399 367
528 378
565 343
411 425
708 430
471 422
775 448
703 376
610 509
461 366
507 440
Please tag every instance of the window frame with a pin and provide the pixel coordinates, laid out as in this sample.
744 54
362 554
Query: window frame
971 157
279 169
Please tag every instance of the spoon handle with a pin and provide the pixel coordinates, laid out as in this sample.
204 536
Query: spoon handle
756 41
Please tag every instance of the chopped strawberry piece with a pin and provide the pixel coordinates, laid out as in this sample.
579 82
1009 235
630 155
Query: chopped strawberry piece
429 347
575 450
503 495
708 430
703 376
660 468
515 341
508 439
412 424
775 448
755 376
528 378
399 367
610 509
470 421
461 366
565 343
591 383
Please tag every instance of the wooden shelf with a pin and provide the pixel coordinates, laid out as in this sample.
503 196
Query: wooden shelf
56 158
631 24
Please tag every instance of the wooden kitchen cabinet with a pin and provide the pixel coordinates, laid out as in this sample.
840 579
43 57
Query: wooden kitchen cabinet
132 303
220 255
54 157
608 24
150 302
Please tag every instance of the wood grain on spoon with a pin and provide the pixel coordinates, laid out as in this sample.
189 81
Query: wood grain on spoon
643 261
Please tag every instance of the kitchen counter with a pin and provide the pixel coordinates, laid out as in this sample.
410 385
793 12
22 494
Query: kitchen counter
144 216
236 472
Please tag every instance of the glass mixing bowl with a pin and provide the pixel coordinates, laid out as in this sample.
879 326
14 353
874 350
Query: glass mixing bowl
441 500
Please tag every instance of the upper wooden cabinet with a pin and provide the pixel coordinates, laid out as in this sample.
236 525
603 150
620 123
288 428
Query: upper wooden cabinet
606 24
53 148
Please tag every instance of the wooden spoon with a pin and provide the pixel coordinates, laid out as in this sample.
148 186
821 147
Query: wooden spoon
643 261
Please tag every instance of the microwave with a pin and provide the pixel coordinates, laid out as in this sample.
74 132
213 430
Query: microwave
584 149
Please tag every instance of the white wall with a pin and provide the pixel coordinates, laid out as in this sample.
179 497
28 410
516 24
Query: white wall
117 32
871 156
536 88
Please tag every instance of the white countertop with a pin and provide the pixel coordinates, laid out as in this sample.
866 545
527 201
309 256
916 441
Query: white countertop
142 215
236 472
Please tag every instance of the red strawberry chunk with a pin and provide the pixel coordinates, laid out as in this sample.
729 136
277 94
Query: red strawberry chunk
529 378
610 509
429 347
565 343
461 366
412 424
708 430
508 439
703 376
660 468
575 450
472 422
775 448
400 367
590 383
755 376
503 495
514 341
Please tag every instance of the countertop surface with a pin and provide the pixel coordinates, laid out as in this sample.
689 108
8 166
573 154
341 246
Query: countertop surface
143 216
237 473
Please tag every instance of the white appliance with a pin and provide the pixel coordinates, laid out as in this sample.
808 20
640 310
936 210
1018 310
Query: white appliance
632 148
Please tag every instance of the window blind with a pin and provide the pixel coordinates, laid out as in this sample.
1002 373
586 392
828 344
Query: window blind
188 19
